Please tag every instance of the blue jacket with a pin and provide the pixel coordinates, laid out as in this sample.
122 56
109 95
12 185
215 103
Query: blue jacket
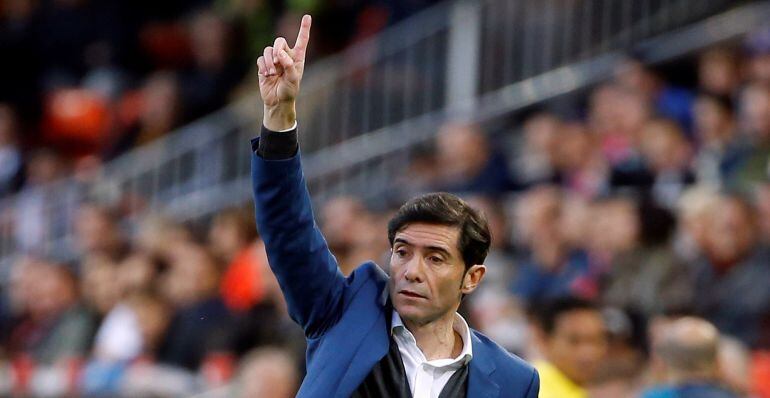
345 319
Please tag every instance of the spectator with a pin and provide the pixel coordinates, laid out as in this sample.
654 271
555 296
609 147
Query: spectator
667 155
718 72
43 209
536 161
731 276
573 339
216 69
97 232
645 275
468 163
148 114
552 268
581 167
667 101
54 327
341 221
688 351
720 149
755 124
201 320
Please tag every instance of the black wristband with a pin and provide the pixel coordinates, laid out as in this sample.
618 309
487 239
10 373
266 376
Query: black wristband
275 145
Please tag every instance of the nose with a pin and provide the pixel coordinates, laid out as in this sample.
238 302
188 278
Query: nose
413 271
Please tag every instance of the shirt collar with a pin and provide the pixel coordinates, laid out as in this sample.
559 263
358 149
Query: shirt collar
459 325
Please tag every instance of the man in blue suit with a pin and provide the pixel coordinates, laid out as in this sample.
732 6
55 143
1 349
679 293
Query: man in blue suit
372 334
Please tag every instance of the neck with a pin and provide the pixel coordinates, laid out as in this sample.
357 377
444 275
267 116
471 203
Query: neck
437 339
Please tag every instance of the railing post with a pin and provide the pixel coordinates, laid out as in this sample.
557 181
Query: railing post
464 51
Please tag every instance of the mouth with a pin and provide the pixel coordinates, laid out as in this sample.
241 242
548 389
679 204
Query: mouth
411 294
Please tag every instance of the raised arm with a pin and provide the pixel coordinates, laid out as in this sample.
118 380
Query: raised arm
296 250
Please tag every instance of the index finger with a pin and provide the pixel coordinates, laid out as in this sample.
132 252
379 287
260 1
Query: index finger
303 37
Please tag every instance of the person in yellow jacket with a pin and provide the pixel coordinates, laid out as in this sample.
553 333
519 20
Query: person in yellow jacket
573 339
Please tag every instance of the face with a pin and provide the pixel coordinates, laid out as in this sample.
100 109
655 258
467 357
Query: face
578 344
427 273
731 232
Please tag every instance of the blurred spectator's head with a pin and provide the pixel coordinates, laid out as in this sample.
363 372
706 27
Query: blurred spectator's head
718 71
573 336
152 316
617 110
23 277
541 135
97 283
758 47
209 40
8 126
615 225
268 372
732 231
575 148
538 215
755 111
136 273
688 349
664 146
694 210
339 219
97 231
44 166
156 236
463 150
713 116
53 291
193 275
231 231
632 74
161 104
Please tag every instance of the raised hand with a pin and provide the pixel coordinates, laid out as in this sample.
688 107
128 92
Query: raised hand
280 74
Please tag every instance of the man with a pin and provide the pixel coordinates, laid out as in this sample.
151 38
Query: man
374 335
573 339
688 352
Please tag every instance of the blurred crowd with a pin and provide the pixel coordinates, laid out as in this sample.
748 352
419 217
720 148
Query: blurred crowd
87 80
631 232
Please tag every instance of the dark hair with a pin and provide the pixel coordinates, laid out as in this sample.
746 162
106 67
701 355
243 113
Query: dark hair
547 313
446 209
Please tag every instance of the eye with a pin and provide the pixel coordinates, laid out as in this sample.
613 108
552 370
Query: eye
436 259
400 252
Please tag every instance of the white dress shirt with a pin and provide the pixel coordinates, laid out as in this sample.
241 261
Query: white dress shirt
428 378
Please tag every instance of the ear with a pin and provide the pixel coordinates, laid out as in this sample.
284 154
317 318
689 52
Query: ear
472 278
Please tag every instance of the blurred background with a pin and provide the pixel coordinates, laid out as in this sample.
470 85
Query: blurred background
621 150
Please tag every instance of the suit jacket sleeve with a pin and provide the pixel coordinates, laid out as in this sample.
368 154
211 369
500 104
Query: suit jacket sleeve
297 252
534 386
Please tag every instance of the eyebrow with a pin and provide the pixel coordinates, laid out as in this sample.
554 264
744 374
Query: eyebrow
439 249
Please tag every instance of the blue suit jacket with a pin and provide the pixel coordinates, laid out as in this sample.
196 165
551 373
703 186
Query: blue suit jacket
345 319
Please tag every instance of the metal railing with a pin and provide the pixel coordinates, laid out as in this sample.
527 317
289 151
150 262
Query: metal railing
365 110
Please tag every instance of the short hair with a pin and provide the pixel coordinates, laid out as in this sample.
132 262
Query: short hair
446 209
547 313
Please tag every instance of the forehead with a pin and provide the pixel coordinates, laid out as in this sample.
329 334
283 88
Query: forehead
423 234
580 321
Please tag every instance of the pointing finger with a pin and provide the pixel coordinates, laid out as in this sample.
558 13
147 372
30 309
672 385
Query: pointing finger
300 47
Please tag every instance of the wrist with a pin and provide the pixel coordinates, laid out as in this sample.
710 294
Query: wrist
280 117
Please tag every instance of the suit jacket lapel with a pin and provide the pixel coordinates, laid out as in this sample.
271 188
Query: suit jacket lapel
480 383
